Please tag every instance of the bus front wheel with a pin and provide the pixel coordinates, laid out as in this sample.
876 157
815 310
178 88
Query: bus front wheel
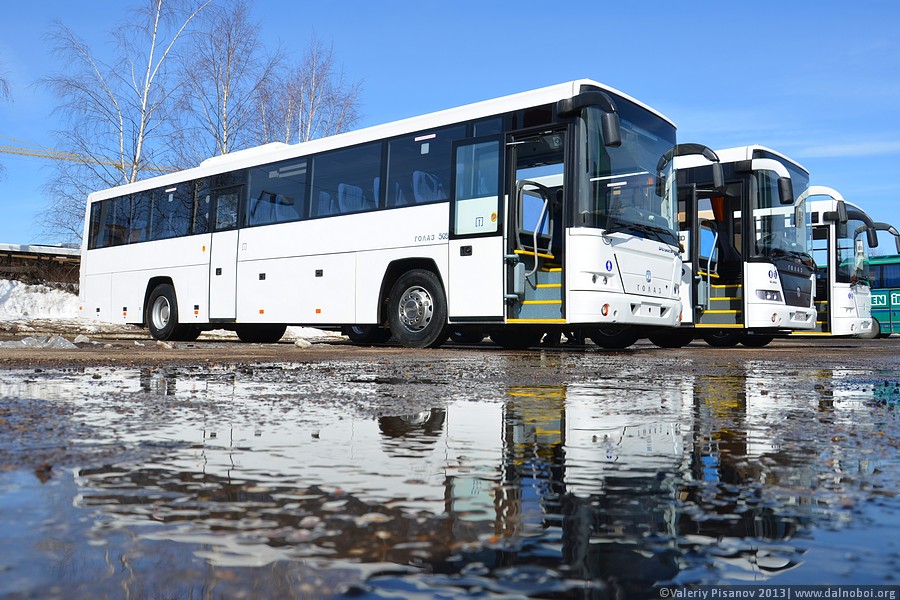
418 310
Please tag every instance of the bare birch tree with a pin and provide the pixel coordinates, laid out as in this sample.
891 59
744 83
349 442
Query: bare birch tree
223 74
115 110
313 99
4 95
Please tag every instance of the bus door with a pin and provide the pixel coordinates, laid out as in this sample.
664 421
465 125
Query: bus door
535 229
223 253
476 272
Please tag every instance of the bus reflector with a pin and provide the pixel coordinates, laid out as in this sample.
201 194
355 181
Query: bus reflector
262 311
604 310
318 311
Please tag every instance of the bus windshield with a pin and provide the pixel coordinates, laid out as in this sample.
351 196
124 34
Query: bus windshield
852 253
621 189
780 229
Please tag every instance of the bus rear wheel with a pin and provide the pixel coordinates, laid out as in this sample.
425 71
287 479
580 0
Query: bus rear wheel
364 335
677 338
615 337
263 333
757 340
418 310
162 316
517 339
722 338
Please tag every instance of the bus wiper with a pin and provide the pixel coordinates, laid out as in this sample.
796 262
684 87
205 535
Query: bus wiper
660 234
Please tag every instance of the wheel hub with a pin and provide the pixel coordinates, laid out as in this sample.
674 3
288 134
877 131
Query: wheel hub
161 313
416 309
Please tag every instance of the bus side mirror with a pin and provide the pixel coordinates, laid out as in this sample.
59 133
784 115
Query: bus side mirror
872 235
612 130
718 177
839 215
785 191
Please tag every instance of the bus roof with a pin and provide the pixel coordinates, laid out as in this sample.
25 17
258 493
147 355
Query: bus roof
278 151
732 155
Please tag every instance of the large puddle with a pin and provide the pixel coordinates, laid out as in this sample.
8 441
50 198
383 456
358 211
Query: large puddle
346 478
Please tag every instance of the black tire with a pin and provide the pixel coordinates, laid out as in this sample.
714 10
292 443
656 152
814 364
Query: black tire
366 335
677 338
189 334
162 314
722 338
262 333
466 336
517 339
756 341
417 310
616 338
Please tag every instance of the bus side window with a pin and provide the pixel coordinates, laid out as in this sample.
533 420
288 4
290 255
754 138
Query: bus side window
170 214
200 222
476 199
342 181
419 167
227 203
276 192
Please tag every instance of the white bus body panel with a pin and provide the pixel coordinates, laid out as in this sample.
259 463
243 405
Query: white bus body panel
850 308
762 313
476 278
330 271
636 277
223 275
115 279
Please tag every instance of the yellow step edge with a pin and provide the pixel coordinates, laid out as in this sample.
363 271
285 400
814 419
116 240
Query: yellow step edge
719 326
543 286
530 253
721 312
542 302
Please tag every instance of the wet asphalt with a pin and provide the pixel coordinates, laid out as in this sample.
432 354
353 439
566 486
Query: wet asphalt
227 470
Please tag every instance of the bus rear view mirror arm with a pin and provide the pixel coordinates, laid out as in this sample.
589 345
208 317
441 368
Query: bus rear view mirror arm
612 131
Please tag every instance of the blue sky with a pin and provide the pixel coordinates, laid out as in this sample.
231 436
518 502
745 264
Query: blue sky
816 80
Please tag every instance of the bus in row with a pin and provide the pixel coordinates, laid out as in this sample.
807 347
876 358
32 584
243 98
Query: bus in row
750 276
884 278
842 236
546 211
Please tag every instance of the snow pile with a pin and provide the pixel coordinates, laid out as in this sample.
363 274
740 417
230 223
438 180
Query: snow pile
23 302
20 301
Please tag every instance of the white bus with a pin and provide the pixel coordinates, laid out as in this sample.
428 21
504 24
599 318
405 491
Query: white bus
748 275
842 234
535 212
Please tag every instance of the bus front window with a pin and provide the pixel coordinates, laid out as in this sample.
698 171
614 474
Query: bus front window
852 253
620 189
780 229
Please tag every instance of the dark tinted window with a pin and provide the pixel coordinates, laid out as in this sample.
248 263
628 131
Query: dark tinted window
277 193
419 167
346 181
170 213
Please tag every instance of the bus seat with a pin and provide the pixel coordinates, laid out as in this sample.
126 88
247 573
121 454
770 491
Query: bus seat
262 209
427 187
285 210
352 198
325 206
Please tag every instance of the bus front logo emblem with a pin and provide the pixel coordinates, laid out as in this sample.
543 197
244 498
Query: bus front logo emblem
649 276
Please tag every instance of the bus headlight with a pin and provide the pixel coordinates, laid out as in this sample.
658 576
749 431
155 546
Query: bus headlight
770 295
